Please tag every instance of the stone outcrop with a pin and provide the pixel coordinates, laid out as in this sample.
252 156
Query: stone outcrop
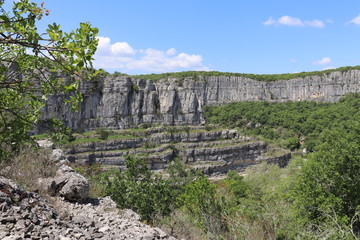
218 150
121 102
67 183
25 215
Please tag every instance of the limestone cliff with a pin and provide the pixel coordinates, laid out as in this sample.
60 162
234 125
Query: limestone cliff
120 102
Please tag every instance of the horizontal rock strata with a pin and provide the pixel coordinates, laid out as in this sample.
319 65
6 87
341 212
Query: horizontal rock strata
212 151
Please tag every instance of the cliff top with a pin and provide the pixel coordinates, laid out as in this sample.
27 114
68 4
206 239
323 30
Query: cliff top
258 77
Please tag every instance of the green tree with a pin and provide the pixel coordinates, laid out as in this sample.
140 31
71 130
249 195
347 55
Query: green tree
328 187
179 176
236 184
138 188
199 200
35 65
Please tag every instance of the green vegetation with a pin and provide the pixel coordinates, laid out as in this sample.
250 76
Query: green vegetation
28 165
328 187
30 65
289 121
138 188
200 202
98 135
316 197
196 75
103 134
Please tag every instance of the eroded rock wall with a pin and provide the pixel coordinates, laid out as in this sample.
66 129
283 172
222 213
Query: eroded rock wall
121 102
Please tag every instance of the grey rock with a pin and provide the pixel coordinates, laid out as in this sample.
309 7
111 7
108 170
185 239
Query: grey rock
13 237
114 102
67 183
3 234
46 144
130 214
64 238
57 155
82 222
104 229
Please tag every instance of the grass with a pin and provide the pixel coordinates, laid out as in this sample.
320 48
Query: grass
275 152
82 140
41 136
122 137
28 165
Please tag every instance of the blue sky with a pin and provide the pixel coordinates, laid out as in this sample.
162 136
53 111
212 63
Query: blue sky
262 37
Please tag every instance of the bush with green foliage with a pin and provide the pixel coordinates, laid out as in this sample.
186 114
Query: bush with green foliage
103 133
137 188
328 186
179 176
292 143
199 200
236 184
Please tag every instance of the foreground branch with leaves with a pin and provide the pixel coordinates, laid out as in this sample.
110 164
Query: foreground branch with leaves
35 65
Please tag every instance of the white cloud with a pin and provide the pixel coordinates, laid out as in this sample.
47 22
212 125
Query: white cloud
122 49
290 21
293 21
121 55
328 68
356 20
270 21
171 52
315 23
323 61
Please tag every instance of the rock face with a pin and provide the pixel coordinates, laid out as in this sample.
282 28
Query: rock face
25 215
120 102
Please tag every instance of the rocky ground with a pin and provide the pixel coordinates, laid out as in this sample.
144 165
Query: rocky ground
26 215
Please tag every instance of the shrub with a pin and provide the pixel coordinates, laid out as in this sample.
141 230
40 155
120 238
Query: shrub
236 184
27 166
179 176
292 143
103 133
135 88
146 125
328 187
199 200
137 188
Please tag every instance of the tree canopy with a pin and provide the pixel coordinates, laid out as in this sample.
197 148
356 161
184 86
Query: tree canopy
35 65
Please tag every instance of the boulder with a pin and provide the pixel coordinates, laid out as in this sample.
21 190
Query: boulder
57 155
67 183
47 144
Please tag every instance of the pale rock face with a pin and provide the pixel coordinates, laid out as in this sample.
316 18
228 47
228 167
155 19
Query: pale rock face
121 102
